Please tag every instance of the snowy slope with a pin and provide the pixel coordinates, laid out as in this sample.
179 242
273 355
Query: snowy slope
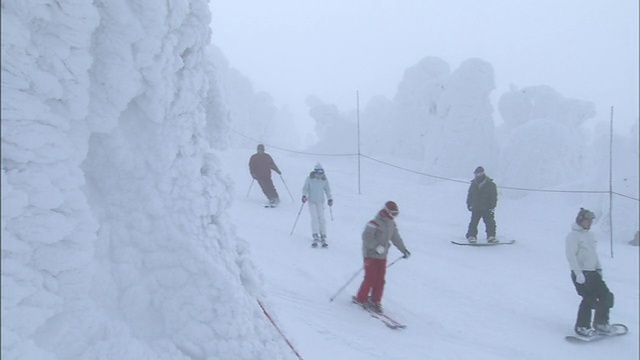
507 302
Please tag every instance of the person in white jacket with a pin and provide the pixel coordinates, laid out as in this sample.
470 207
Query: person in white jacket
586 275
316 186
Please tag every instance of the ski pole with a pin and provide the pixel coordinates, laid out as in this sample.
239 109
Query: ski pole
345 285
395 261
294 224
331 213
286 187
252 180
354 276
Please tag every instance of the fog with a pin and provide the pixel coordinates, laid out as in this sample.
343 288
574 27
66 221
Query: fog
586 50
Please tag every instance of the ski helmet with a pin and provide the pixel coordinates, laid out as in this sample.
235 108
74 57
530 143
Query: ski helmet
392 208
584 214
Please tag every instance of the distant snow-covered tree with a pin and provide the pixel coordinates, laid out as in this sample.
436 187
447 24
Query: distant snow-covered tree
467 136
250 113
538 155
336 130
380 134
416 108
539 110
515 108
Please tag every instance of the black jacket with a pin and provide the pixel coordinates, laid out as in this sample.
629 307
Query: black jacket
261 164
483 194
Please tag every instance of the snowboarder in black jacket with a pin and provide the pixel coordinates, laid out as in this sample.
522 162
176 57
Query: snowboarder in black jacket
482 199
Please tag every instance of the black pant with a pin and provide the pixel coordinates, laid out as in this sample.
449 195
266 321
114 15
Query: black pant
595 295
489 223
266 184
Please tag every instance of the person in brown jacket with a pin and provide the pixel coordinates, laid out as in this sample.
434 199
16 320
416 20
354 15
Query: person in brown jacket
260 166
377 237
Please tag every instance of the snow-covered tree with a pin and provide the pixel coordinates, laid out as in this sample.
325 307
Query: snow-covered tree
466 138
116 241
416 108
379 133
543 127
336 131
250 114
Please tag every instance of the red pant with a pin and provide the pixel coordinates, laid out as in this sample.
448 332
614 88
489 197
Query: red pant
374 271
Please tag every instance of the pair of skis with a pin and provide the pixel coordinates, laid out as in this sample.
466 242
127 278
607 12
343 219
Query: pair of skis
389 322
384 318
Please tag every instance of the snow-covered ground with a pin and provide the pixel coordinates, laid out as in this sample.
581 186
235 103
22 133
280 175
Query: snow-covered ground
119 205
505 302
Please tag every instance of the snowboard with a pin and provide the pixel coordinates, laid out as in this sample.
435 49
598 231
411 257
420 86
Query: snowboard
616 330
484 243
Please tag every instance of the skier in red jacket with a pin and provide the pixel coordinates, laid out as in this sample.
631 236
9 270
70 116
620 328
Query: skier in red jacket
376 240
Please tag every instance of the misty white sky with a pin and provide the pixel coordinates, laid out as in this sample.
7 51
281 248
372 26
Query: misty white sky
585 49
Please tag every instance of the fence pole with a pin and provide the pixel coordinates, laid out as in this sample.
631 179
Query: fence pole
358 116
611 182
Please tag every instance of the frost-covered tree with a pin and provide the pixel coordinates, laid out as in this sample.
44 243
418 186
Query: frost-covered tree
515 108
537 155
379 134
250 114
116 243
416 108
554 123
336 131
443 120
466 138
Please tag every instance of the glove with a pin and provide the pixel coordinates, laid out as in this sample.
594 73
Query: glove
580 279
469 207
406 254
304 199
253 176
491 211
330 202
279 172
380 249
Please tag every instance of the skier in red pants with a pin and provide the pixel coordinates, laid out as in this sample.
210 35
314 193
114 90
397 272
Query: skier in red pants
376 239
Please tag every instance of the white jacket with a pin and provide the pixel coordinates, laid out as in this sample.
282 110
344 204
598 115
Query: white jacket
315 187
581 250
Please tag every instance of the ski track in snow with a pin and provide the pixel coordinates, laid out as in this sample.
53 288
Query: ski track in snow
505 302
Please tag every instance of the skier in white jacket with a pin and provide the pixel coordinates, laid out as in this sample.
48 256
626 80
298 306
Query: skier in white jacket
586 274
316 186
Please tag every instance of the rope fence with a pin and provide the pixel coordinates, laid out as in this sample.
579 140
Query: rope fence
435 176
